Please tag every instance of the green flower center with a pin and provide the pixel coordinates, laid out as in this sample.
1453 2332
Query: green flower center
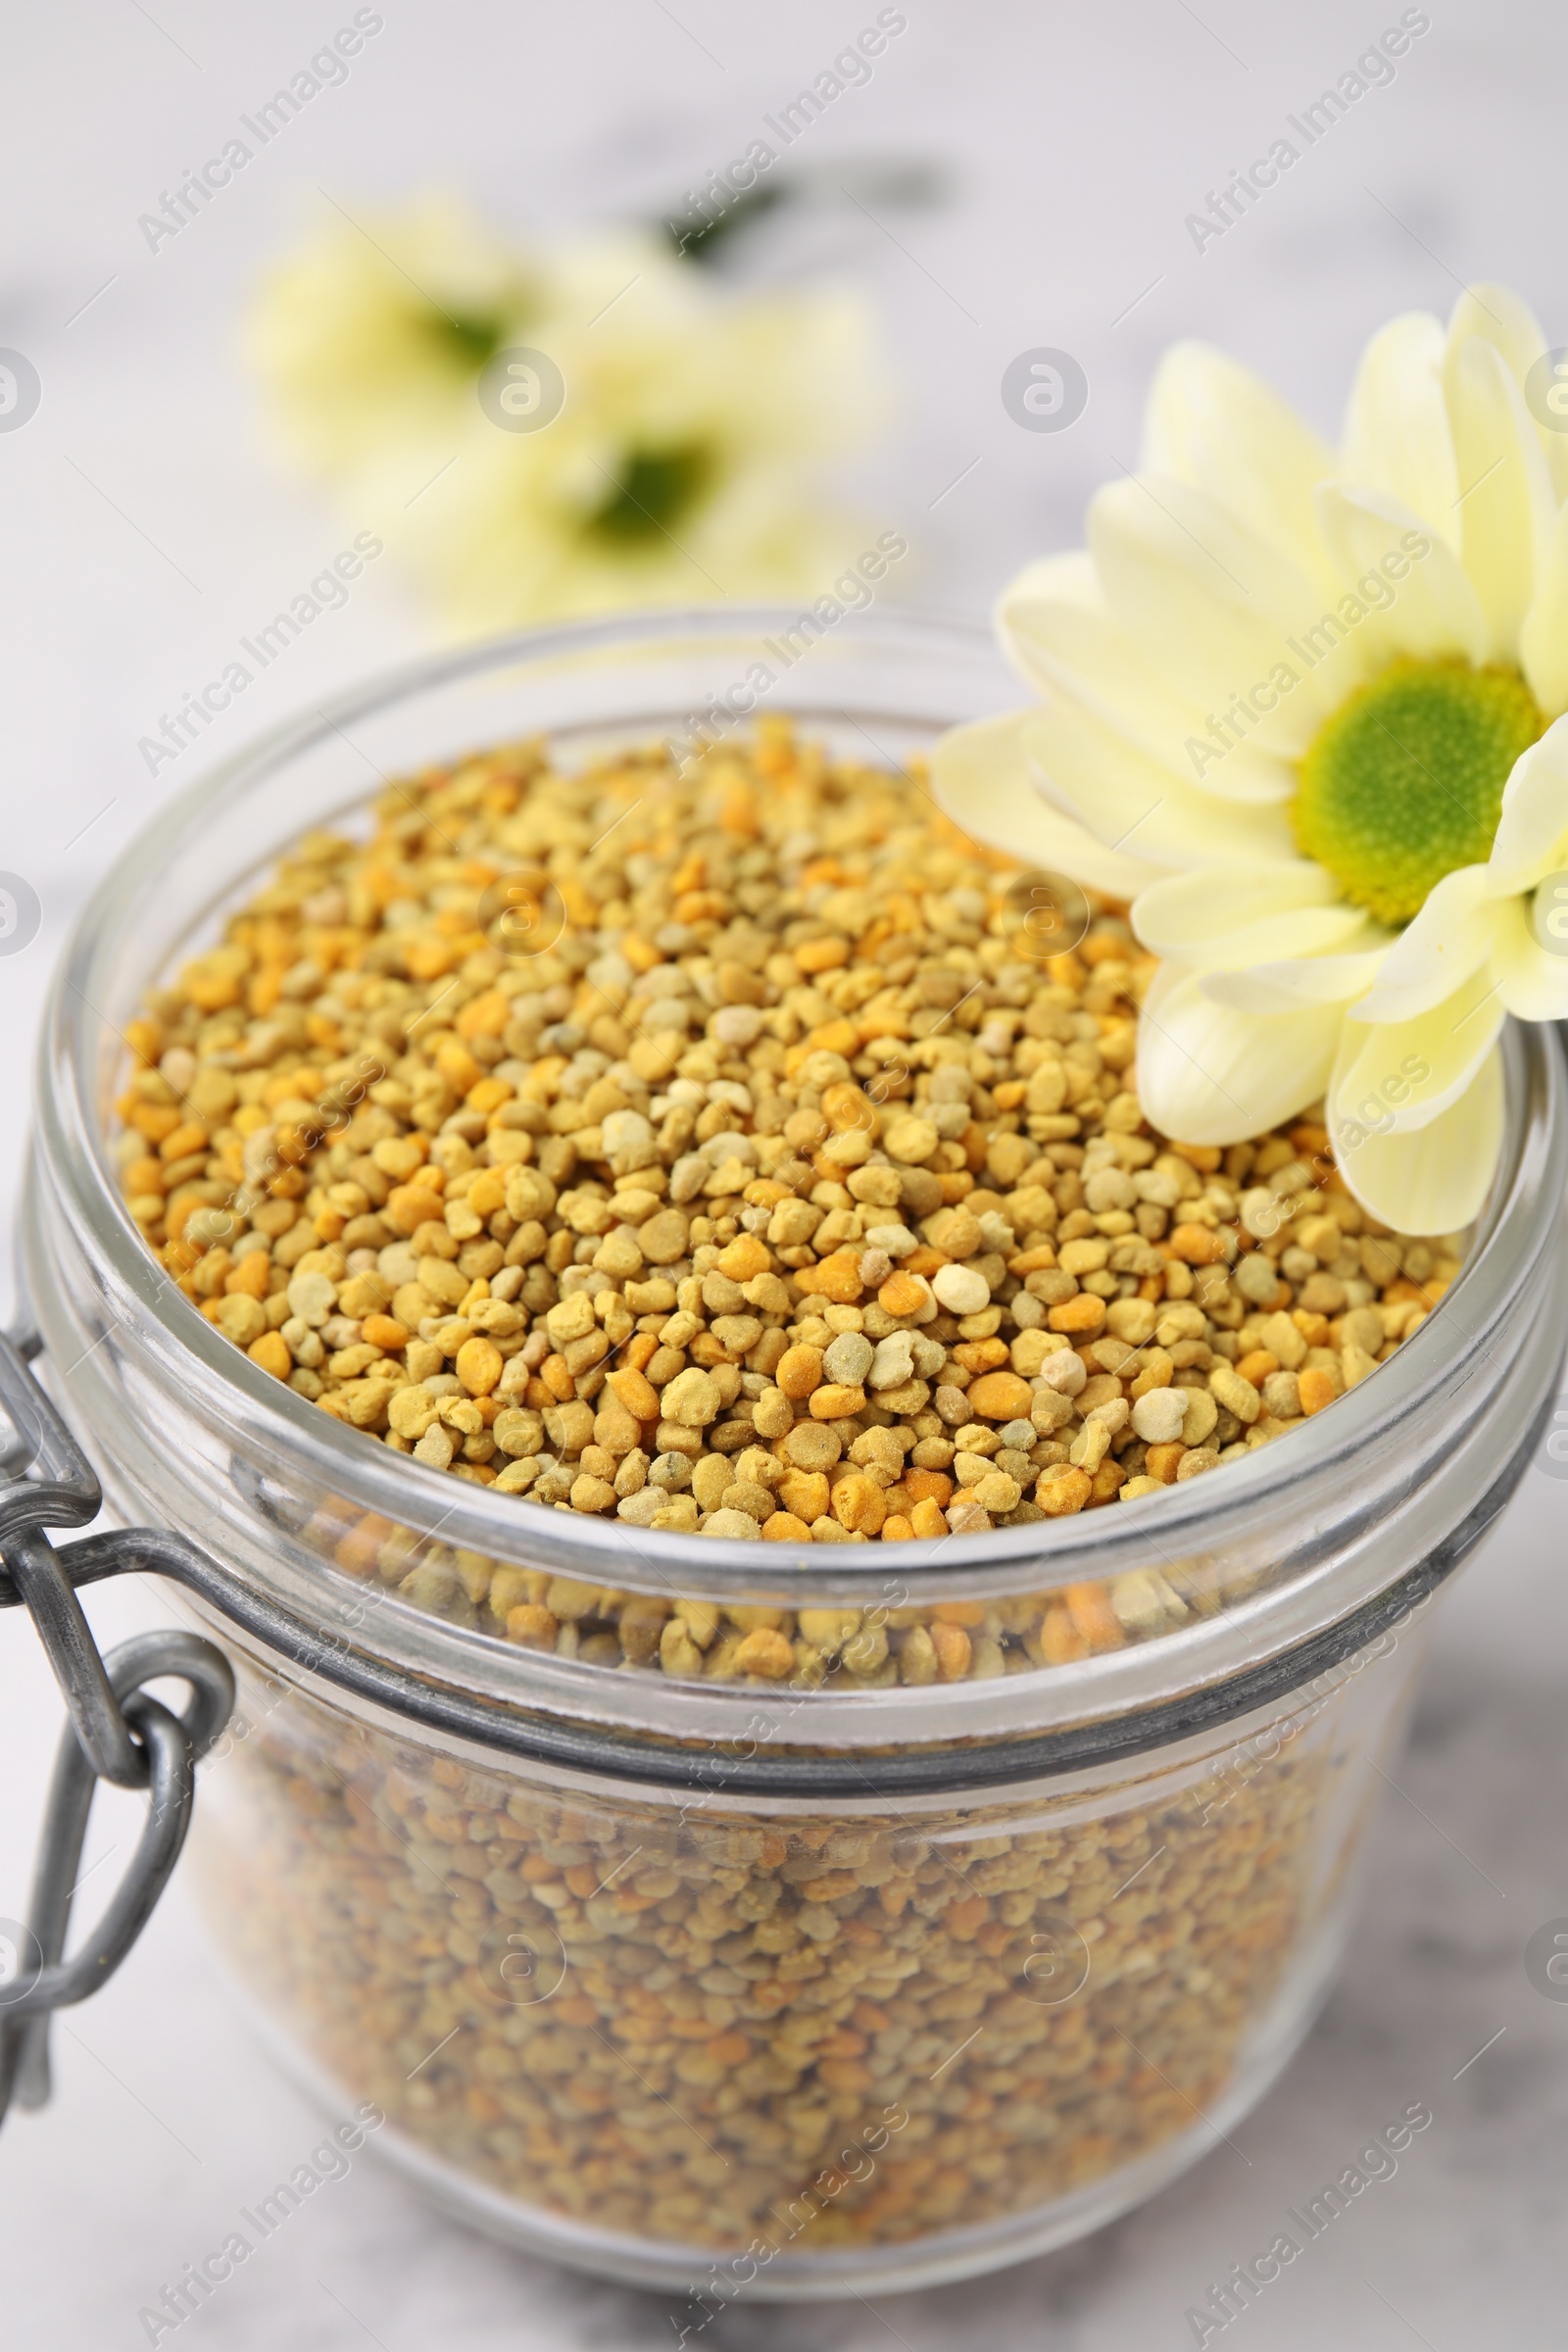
470 338
653 489
1405 781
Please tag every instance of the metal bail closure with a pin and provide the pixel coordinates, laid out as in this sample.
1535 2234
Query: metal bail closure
41 1979
117 1731
45 1478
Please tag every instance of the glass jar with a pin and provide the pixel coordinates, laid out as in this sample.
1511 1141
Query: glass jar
724 1984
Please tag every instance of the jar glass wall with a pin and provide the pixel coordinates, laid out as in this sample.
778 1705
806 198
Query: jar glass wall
717 2043
777 1912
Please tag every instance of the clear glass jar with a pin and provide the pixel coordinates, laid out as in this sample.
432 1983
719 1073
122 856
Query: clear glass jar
705 1982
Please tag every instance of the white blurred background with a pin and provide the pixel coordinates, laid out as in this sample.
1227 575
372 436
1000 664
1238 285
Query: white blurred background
147 520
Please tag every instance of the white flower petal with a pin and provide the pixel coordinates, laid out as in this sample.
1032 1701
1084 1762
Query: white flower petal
1309 932
1210 605
1183 905
1056 629
1145 809
1532 836
1506 506
1397 436
1416 1068
985 782
1221 428
1498 316
1502 317
1533 978
1069 578
1275 987
1211 1075
1543 638
1435 1180
1431 609
1227 917
1450 937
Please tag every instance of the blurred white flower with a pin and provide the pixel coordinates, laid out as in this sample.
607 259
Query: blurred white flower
375 335
678 466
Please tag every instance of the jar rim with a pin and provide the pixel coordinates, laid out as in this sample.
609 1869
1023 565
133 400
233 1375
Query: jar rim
1343 1565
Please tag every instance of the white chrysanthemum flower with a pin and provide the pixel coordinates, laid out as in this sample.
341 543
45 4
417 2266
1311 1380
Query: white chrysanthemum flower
1304 709
678 467
367 337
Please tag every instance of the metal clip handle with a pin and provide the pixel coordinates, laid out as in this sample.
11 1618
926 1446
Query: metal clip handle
117 1730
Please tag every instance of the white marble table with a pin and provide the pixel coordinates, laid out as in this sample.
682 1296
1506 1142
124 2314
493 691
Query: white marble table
144 528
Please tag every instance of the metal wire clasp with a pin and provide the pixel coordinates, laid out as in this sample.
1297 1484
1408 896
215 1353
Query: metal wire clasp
117 1730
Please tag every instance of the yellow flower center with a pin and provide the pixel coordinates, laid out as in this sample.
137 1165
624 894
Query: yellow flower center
1405 781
